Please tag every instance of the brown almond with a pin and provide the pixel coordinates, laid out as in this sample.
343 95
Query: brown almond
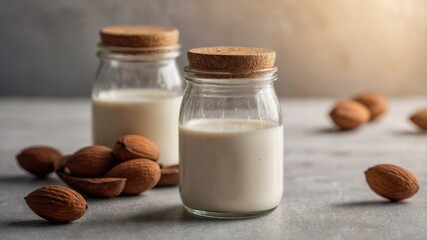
392 182
39 160
98 187
419 118
169 176
63 161
141 174
92 161
375 102
348 114
57 203
135 146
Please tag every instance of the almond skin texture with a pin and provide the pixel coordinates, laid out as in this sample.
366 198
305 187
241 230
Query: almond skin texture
98 187
40 160
169 176
141 174
349 114
419 118
392 182
57 203
375 102
135 146
92 161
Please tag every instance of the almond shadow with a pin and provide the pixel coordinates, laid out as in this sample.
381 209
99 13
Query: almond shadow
36 224
369 203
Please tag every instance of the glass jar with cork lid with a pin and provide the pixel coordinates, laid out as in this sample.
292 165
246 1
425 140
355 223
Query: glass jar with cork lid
231 133
138 87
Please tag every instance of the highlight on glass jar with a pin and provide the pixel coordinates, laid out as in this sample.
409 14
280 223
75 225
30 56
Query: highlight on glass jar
138 87
231 133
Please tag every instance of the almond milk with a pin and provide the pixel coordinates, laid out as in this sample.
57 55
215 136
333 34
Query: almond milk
231 165
148 112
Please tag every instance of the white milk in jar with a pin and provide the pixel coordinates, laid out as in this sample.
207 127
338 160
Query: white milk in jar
138 87
230 133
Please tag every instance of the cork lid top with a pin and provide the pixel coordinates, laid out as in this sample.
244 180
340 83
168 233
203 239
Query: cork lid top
231 59
139 36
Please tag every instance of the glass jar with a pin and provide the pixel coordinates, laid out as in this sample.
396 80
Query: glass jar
138 88
230 133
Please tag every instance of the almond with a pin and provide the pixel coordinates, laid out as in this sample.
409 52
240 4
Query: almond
419 118
57 203
392 182
63 161
348 114
375 102
169 176
92 161
98 187
141 174
39 160
135 146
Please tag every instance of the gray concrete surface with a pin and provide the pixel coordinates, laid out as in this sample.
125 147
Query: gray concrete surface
325 195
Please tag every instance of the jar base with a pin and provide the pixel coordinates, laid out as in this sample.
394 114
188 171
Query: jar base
228 215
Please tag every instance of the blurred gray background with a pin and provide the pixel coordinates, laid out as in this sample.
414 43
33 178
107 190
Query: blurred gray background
325 48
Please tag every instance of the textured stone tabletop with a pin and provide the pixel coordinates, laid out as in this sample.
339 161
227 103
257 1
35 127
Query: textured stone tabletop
325 195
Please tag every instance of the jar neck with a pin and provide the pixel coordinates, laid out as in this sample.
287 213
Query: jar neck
232 79
126 54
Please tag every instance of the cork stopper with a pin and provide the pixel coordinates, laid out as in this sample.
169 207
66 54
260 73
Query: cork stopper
139 36
231 59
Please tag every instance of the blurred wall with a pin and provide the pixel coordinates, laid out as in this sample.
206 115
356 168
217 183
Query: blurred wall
324 47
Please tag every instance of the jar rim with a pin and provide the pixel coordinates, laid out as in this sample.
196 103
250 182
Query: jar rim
138 54
222 77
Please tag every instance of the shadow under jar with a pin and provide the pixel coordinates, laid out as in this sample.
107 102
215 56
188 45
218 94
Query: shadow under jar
138 87
230 133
